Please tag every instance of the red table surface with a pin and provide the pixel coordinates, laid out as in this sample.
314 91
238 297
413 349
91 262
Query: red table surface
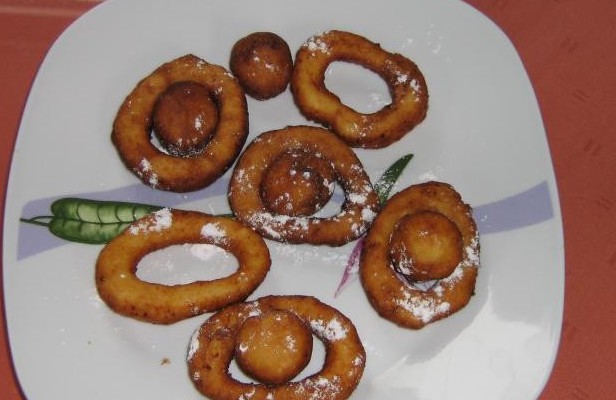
569 50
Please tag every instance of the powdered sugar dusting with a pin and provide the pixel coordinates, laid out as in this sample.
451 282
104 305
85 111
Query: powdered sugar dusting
428 176
193 345
145 165
145 171
247 395
253 309
331 330
274 224
214 231
368 214
155 222
472 252
320 388
423 307
290 342
415 85
402 78
316 43
358 198
198 122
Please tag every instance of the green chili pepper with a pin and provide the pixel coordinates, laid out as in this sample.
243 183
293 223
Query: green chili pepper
101 212
387 181
85 232
90 221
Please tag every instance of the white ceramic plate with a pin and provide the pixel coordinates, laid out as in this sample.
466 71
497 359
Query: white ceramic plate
484 135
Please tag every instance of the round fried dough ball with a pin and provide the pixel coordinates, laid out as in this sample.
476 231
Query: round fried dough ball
262 64
298 183
184 118
273 347
426 246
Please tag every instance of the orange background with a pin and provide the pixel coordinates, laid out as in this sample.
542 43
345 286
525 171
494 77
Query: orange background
569 50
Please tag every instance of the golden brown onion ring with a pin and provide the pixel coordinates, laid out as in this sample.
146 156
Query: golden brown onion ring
358 210
156 168
406 84
410 305
212 349
126 294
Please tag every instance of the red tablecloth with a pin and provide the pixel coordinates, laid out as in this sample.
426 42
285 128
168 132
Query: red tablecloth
569 50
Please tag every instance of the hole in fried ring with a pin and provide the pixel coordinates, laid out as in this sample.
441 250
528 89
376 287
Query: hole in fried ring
212 349
185 263
132 127
357 87
407 86
359 208
408 305
126 294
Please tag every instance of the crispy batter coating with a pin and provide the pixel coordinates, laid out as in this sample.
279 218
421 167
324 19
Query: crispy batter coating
212 349
263 64
126 294
245 188
415 305
184 118
160 170
406 84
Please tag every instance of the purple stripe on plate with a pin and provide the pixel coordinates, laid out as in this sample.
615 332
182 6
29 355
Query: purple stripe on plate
522 209
526 208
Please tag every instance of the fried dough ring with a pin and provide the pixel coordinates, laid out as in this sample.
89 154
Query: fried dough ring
132 125
213 344
126 294
406 84
358 210
405 304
